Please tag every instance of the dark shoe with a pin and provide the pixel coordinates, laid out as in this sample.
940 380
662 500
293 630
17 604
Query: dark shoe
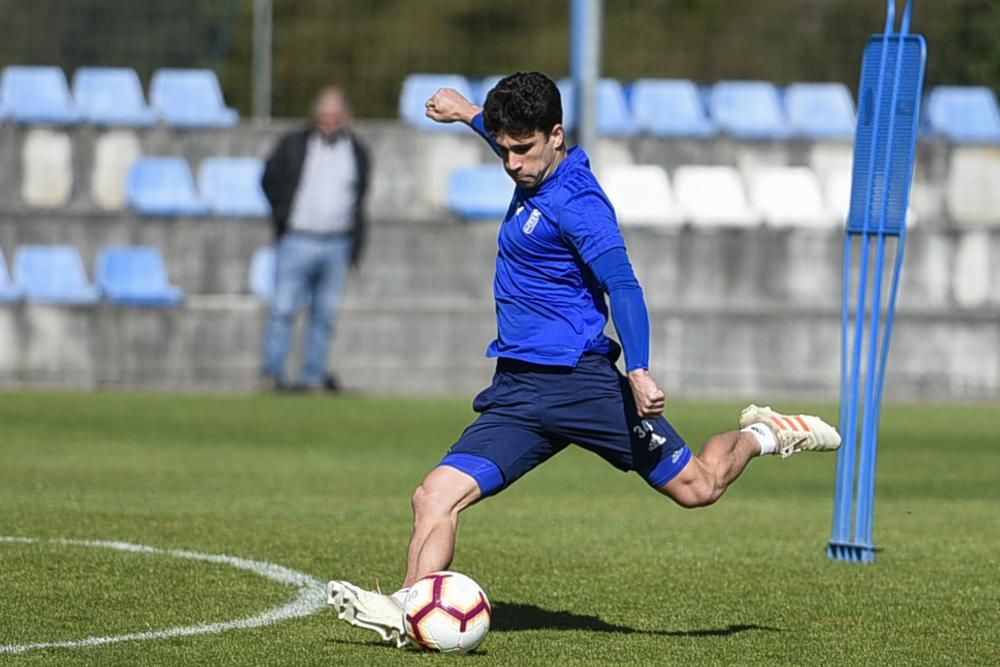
332 384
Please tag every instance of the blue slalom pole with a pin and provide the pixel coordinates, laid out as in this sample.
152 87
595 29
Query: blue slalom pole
885 144
851 380
863 533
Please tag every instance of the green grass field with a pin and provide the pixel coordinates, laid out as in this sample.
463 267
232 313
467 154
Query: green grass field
584 565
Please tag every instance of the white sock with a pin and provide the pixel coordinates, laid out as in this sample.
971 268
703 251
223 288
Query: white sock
765 437
400 595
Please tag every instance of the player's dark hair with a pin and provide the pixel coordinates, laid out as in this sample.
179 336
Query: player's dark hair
522 103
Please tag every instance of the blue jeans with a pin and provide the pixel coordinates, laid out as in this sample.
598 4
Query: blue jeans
310 270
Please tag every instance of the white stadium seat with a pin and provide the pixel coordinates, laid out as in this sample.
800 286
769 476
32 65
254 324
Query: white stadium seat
837 193
713 196
972 195
789 197
47 172
114 154
641 195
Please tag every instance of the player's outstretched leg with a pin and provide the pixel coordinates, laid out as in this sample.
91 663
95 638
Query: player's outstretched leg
725 456
370 610
794 433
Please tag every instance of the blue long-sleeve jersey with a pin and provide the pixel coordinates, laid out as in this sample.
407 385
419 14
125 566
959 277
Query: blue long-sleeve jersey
559 250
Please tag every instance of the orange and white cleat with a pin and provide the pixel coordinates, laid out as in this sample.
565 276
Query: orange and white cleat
795 433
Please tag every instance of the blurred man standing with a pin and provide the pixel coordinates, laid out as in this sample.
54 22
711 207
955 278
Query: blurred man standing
316 181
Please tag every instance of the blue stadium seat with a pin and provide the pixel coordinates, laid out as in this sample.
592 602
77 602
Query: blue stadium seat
231 187
614 117
483 88
670 108
111 96
748 109
418 88
613 114
820 110
37 95
163 186
136 276
964 114
53 275
478 193
9 292
568 97
263 273
190 98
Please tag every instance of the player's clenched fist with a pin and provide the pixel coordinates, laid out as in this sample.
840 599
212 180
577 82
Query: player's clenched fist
448 105
649 399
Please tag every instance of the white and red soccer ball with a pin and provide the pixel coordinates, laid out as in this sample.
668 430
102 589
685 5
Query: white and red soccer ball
447 612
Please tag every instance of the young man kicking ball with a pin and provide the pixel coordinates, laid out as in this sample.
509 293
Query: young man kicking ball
556 383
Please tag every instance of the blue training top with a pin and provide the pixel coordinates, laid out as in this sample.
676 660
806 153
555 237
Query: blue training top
550 303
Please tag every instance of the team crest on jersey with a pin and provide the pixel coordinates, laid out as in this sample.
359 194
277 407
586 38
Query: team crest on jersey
532 222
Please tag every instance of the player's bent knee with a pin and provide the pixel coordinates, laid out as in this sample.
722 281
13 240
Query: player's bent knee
695 495
694 487
443 492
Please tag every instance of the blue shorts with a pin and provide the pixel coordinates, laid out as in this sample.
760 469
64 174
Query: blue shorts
531 412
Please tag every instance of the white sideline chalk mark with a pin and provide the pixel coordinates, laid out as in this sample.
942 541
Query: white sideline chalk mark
310 599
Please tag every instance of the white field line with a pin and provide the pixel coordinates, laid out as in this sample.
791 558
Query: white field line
311 596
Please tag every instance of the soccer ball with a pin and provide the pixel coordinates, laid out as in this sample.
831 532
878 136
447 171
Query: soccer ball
447 612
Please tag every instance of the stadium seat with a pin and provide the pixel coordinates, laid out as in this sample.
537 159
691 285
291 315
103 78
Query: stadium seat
53 275
190 98
713 196
820 110
568 97
641 195
837 197
47 168
972 198
964 114
483 87
263 270
748 109
670 108
614 117
789 197
111 96
163 186
477 193
136 276
9 292
230 186
37 95
115 152
837 193
418 88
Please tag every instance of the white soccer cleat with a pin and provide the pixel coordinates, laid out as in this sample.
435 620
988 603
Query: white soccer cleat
795 433
370 610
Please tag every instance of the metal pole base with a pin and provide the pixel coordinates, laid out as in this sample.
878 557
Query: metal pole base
851 552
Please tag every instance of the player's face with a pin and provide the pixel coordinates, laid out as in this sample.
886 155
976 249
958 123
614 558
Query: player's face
531 158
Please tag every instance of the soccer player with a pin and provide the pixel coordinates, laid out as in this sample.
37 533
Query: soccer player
556 382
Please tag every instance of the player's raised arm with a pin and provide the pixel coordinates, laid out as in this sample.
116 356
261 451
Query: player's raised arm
448 105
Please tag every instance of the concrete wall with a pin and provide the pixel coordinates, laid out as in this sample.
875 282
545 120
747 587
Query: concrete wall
750 314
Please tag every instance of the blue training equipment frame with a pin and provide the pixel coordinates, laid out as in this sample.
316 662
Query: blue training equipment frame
889 97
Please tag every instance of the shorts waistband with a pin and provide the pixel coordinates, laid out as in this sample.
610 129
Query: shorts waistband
508 365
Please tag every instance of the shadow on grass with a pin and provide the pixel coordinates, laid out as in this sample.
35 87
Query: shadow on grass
515 616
